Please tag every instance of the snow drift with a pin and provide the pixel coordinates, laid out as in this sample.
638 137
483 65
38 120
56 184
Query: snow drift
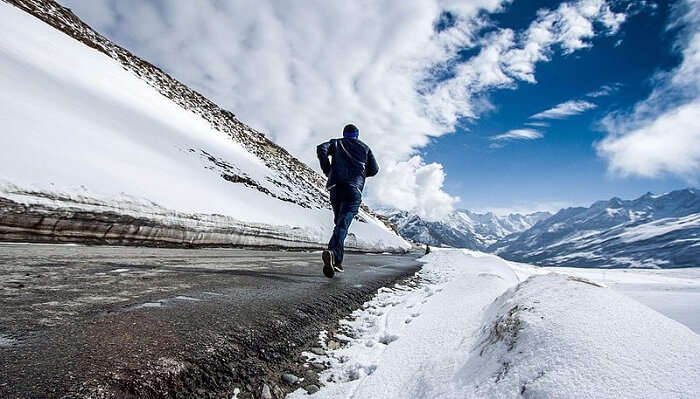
91 131
557 336
475 326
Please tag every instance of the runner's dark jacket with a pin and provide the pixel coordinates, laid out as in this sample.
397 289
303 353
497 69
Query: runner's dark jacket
352 162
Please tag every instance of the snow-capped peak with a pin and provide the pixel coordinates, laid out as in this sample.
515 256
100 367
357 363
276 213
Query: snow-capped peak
650 231
461 228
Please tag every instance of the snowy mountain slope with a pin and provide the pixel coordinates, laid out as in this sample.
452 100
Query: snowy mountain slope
650 231
99 145
461 228
475 326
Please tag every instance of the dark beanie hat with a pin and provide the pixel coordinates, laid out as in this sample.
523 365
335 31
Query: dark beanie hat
351 131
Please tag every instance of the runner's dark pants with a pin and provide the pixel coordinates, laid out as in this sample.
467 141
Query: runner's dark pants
345 200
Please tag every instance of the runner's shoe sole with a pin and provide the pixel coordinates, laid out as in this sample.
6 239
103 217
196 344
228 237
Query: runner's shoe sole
328 269
338 269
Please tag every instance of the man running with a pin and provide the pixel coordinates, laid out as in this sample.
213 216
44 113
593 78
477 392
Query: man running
352 161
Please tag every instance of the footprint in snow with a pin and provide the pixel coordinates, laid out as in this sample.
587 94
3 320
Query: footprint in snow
388 338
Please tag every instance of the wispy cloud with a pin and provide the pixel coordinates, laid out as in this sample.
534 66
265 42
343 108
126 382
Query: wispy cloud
518 134
604 90
538 124
564 110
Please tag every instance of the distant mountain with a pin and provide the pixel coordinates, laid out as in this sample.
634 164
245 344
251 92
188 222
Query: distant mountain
461 228
650 231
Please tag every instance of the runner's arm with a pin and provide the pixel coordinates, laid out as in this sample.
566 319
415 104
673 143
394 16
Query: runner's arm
323 151
372 167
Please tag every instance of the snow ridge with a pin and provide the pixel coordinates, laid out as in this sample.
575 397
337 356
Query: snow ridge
475 326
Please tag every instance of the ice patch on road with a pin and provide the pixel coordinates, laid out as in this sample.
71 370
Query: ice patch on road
164 302
187 298
148 305
6 341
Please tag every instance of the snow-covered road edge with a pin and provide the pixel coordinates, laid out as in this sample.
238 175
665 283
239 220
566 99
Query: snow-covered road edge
473 325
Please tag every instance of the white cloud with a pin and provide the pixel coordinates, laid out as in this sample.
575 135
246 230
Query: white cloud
299 71
537 124
662 133
417 186
604 90
576 20
668 143
564 110
506 56
518 134
571 26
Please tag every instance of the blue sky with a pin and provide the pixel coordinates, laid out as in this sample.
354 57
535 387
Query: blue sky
446 91
563 166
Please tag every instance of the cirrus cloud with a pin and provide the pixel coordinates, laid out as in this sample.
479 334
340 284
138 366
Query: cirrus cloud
564 110
518 134
604 90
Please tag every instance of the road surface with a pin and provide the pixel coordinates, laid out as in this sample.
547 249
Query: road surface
80 321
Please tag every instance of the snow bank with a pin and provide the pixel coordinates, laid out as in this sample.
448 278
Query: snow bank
675 293
78 125
473 326
557 336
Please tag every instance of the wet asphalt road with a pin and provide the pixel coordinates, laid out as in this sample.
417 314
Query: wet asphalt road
81 321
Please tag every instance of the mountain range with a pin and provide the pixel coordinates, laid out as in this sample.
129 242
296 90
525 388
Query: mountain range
652 231
461 228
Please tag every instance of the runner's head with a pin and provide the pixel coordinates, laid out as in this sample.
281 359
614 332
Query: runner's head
351 131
